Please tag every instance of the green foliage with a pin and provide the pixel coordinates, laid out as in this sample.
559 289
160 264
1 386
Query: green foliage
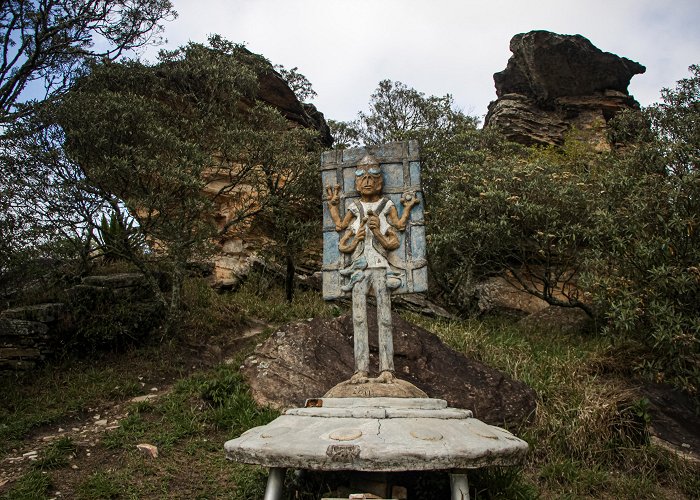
172 139
49 42
643 271
232 405
207 313
99 486
507 211
397 113
104 319
56 455
31 486
260 297
300 85
119 238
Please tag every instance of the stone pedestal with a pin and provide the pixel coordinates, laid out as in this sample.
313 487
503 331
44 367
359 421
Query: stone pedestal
376 434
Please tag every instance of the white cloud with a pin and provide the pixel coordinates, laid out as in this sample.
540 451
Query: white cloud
441 46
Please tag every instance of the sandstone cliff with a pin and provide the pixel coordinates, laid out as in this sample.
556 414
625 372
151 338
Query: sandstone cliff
554 84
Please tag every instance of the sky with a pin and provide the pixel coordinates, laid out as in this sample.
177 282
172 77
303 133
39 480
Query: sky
346 47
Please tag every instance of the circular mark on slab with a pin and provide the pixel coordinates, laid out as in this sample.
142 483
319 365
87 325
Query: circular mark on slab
274 432
426 434
345 434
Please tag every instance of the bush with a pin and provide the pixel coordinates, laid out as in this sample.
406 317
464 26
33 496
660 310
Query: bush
644 273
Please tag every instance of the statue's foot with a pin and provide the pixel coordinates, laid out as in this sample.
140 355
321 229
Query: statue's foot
385 377
359 378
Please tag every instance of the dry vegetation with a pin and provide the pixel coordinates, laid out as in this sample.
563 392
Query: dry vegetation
588 438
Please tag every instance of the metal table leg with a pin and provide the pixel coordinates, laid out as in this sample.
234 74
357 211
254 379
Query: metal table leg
275 484
459 486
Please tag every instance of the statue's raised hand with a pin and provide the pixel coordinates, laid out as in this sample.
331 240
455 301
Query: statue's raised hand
333 193
409 199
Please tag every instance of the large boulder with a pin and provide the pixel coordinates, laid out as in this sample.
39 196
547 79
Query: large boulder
555 83
304 360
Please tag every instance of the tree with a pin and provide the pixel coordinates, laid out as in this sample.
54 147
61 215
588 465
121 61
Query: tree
397 112
521 214
171 139
300 85
50 41
643 269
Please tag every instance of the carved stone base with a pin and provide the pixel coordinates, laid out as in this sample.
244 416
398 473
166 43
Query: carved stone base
395 389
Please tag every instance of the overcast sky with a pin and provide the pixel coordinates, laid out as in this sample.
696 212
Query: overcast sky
438 46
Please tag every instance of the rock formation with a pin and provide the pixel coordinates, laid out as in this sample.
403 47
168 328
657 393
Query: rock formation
304 360
554 84
237 251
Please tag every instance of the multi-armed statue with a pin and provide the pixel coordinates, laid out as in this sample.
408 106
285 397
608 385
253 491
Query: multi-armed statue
370 235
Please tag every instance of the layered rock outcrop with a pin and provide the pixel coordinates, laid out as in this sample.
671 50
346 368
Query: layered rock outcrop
237 250
557 84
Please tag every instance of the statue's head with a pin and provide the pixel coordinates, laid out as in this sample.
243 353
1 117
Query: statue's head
368 177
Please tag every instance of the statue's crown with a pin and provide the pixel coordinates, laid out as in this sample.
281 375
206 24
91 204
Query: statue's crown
367 160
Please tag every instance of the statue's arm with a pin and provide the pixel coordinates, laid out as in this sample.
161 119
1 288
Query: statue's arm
347 243
390 240
393 215
333 208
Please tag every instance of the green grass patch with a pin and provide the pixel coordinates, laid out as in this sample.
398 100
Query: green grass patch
261 298
56 455
31 486
99 486
589 435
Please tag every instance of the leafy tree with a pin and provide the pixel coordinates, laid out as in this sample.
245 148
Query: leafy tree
171 139
397 112
49 210
643 272
49 41
300 85
505 210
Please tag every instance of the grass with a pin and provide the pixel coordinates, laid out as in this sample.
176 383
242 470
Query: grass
588 437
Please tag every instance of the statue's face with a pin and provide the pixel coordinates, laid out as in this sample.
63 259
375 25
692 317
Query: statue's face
368 180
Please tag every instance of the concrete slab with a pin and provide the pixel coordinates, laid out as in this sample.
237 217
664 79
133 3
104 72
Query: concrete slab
373 435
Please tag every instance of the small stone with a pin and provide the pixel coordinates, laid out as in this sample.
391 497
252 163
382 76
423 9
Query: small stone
154 389
102 422
685 445
148 449
141 399
29 454
75 429
74 467
60 429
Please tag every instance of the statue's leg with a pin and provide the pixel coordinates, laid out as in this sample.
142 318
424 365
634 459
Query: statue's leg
386 341
359 323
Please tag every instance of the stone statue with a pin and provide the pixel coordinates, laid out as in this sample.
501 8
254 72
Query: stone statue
370 236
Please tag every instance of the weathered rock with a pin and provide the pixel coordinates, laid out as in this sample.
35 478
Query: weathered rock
304 360
148 450
23 344
43 313
560 319
556 83
545 65
122 280
499 295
